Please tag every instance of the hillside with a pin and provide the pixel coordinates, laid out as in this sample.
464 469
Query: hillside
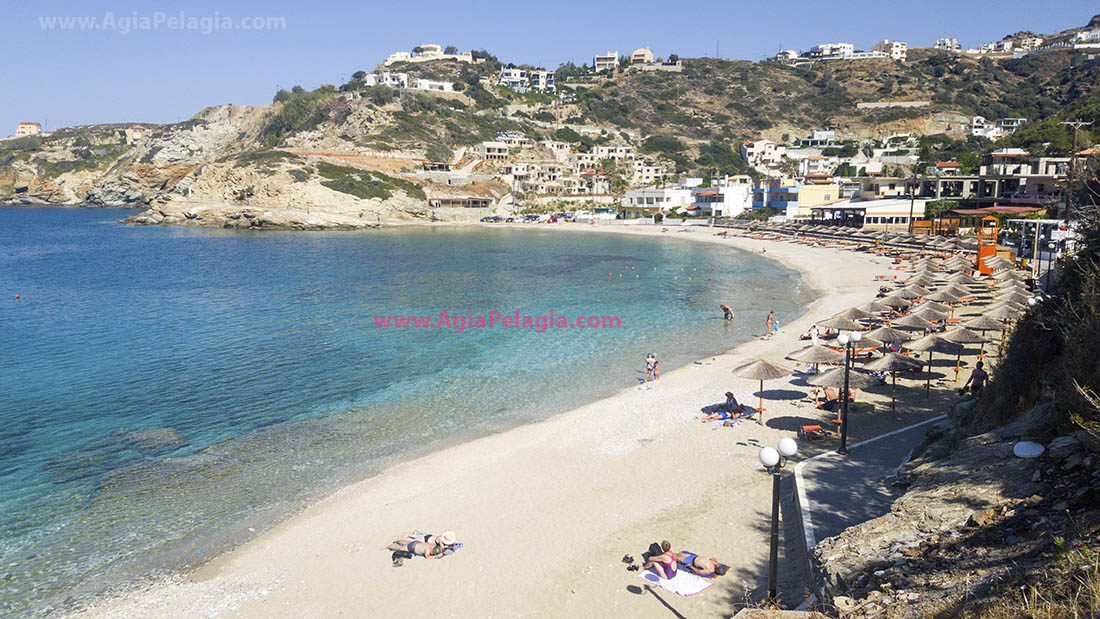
267 157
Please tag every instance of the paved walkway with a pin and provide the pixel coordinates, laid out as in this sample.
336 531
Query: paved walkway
835 492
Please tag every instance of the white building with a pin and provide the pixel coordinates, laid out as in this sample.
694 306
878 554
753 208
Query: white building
818 138
606 62
1029 43
542 81
515 79
1010 125
762 153
654 200
981 127
948 45
426 53
724 198
514 139
787 56
422 84
491 150
386 78
897 50
28 128
642 55
1088 36
816 166
832 50
646 173
615 152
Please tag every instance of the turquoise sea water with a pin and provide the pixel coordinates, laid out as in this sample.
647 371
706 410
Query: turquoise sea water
165 389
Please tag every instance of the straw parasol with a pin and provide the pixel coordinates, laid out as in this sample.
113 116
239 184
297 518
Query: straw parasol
931 314
894 301
962 335
761 370
1017 275
912 322
957 290
893 363
875 307
854 313
984 323
836 322
996 262
1001 313
940 307
1012 305
1014 296
963 279
945 295
888 335
919 291
909 293
835 378
932 344
817 354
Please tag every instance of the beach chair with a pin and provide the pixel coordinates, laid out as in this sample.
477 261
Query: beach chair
811 432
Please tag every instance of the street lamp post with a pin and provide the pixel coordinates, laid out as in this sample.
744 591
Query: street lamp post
774 459
846 340
1050 264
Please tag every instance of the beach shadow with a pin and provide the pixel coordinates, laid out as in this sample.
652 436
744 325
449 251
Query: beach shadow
789 423
783 394
749 442
636 590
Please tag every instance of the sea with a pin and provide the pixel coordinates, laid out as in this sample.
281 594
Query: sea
168 392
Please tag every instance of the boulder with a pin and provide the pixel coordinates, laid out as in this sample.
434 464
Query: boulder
1063 447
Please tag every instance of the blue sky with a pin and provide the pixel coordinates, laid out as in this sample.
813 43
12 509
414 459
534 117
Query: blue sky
72 77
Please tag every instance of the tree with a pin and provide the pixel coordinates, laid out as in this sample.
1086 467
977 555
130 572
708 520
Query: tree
936 208
358 75
281 96
565 134
673 58
450 50
418 50
297 90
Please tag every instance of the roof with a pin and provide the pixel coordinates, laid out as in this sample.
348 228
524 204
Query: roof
1089 151
707 193
1004 210
30 123
948 164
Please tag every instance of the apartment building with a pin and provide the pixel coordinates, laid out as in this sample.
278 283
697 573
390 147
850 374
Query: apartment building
606 62
28 128
897 50
542 80
948 45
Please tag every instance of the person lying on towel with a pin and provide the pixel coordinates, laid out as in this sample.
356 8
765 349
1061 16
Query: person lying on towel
707 568
730 409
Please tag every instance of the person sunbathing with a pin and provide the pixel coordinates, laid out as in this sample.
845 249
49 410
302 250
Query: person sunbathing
730 409
665 562
701 566
427 546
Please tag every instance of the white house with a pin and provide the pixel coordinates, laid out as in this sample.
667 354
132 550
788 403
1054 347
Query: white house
615 152
819 138
646 173
542 81
422 84
762 152
652 200
491 150
606 62
832 50
1010 125
642 55
948 45
426 53
894 49
515 79
723 198
386 78
981 127
1088 36
817 166
28 128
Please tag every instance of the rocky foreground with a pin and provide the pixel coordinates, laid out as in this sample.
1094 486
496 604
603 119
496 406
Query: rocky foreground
976 527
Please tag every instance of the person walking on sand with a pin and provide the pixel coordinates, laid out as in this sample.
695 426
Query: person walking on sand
769 324
727 313
977 380
815 335
650 366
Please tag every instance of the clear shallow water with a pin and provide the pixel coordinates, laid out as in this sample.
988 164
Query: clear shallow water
165 389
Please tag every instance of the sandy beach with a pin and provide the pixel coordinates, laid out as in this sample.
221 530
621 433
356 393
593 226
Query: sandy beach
547 510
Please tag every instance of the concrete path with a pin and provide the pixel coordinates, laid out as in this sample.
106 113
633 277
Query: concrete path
835 492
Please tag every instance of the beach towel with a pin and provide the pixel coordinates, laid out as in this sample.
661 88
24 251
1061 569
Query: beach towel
684 583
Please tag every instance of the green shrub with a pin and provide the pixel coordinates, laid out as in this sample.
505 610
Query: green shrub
365 184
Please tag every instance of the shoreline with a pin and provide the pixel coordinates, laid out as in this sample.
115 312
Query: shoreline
255 578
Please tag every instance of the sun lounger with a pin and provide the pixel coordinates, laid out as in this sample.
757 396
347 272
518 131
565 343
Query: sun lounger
811 432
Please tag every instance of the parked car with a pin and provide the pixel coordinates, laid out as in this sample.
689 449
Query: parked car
491 219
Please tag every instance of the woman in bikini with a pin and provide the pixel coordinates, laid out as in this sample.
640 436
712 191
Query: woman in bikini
665 562
428 546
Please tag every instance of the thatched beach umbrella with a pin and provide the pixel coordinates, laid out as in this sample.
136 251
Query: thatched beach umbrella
875 307
1012 305
893 363
912 322
888 335
921 280
908 293
963 279
817 354
958 291
845 324
854 313
1016 275
931 344
761 370
894 301
1013 295
940 307
945 295
996 262
962 335
930 314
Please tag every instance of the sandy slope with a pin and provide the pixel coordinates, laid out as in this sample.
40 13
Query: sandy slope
547 510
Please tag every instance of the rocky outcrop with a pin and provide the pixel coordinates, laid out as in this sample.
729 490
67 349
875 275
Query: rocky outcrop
974 515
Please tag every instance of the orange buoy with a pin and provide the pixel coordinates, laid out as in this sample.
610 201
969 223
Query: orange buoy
16 297
710 279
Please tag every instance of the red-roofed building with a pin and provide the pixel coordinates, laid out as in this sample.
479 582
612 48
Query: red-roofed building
28 128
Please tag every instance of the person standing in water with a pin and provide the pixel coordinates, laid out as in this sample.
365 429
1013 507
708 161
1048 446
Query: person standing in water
650 366
727 313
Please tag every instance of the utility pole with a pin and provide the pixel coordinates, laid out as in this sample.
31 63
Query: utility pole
913 196
1076 124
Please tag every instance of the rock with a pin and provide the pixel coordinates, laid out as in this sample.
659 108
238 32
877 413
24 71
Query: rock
1063 447
981 518
1060 506
1072 462
1038 418
844 604
153 440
